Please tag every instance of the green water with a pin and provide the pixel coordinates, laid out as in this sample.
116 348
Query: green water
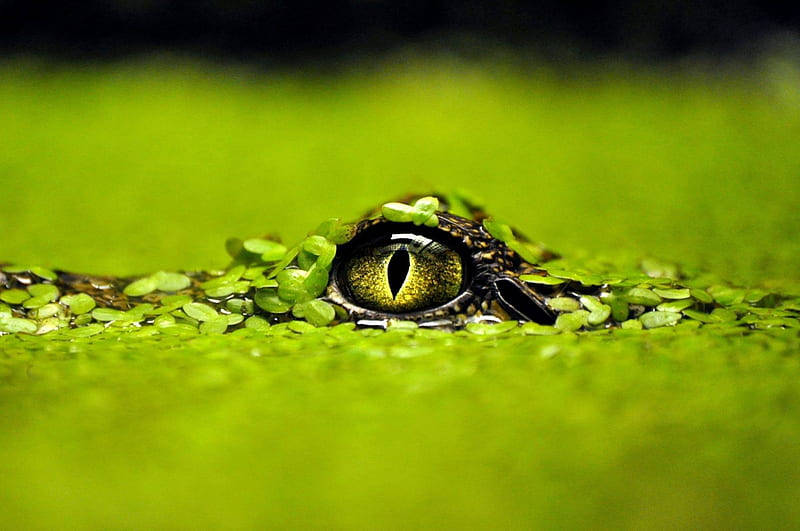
125 170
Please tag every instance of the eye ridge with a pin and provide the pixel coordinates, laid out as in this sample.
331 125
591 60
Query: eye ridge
397 271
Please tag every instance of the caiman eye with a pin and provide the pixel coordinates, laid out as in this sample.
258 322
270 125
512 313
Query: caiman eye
402 272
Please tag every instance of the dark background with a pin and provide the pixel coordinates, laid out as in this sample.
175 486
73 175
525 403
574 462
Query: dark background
306 29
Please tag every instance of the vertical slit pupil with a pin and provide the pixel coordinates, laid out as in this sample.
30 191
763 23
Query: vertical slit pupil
397 271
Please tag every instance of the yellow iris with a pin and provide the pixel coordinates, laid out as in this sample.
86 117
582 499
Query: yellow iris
404 277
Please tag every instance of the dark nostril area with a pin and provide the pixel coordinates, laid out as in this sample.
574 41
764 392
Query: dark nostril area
520 303
397 271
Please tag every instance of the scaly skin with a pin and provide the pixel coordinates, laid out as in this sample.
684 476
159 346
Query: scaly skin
502 286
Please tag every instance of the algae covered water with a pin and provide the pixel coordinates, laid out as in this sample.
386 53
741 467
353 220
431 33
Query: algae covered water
126 171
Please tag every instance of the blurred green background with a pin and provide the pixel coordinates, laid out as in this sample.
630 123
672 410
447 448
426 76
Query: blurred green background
124 168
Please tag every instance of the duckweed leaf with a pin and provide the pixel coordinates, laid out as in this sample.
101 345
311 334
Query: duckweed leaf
268 300
259 245
48 291
701 295
14 325
285 261
335 231
85 331
536 329
43 272
320 247
658 319
570 322
36 302
180 316
257 323
263 282
48 310
107 314
642 296
240 306
499 230
47 324
230 276
171 303
291 285
222 288
234 318
216 325
316 244
726 295
143 308
172 281
316 281
217 282
252 273
80 320
200 311
269 250
590 280
221 291
776 323
425 211
598 312
619 307
316 312
675 293
722 315
763 299
15 269
301 327
569 275
79 303
631 324
675 305
599 316
305 259
538 279
14 296
563 304
397 212
591 303
141 287
163 320
698 316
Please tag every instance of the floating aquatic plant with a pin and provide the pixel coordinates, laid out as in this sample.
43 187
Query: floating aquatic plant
268 284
